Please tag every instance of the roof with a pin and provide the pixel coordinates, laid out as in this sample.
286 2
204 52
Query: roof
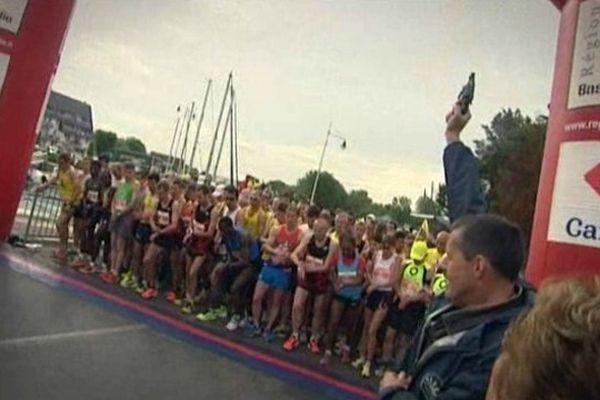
62 103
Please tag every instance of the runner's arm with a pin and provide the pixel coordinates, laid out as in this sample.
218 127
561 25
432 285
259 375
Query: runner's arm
262 222
269 246
242 256
174 226
299 253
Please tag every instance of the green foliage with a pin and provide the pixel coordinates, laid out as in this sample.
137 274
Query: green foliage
104 142
511 156
135 145
426 205
279 187
359 202
441 200
330 192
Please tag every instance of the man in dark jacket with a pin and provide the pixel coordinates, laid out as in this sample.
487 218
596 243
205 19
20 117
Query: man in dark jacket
452 355
461 169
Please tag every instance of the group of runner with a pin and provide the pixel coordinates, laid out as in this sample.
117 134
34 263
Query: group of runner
271 266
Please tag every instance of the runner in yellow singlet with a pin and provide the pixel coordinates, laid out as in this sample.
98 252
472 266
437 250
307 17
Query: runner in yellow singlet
253 218
69 190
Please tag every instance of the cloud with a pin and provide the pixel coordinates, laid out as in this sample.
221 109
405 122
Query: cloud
382 179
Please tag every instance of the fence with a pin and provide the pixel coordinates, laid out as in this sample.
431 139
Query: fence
37 214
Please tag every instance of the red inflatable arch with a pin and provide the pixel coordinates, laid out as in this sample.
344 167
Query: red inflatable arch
566 229
31 36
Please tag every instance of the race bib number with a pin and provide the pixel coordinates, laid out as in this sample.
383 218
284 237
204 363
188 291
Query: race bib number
92 196
347 273
382 274
198 228
315 262
163 218
120 205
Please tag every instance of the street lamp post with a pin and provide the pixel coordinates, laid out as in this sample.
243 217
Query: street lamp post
343 145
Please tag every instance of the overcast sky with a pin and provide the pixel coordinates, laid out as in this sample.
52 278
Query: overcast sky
383 72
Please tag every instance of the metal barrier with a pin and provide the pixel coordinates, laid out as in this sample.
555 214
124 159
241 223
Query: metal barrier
41 212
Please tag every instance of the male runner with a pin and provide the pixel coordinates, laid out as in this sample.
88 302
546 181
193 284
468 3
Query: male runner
144 213
313 280
121 224
91 212
69 190
276 273
165 227
198 243
233 260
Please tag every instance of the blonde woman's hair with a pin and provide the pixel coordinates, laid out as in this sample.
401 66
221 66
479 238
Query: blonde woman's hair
552 352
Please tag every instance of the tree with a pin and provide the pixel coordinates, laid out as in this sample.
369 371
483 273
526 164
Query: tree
330 192
103 142
441 199
425 205
359 202
511 156
279 187
399 210
135 145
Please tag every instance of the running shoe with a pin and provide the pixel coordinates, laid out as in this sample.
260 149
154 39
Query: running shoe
346 354
233 323
109 277
252 330
140 288
326 359
366 370
170 296
291 343
178 301
59 255
126 280
245 322
281 331
149 293
187 307
268 335
207 316
86 269
221 312
313 346
380 370
359 362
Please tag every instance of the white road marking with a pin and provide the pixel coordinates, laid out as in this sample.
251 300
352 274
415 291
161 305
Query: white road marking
32 340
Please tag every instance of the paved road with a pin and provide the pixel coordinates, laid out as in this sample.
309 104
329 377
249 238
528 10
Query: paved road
54 345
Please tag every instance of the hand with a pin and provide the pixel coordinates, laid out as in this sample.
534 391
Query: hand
455 123
301 272
393 380
153 236
370 288
338 285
